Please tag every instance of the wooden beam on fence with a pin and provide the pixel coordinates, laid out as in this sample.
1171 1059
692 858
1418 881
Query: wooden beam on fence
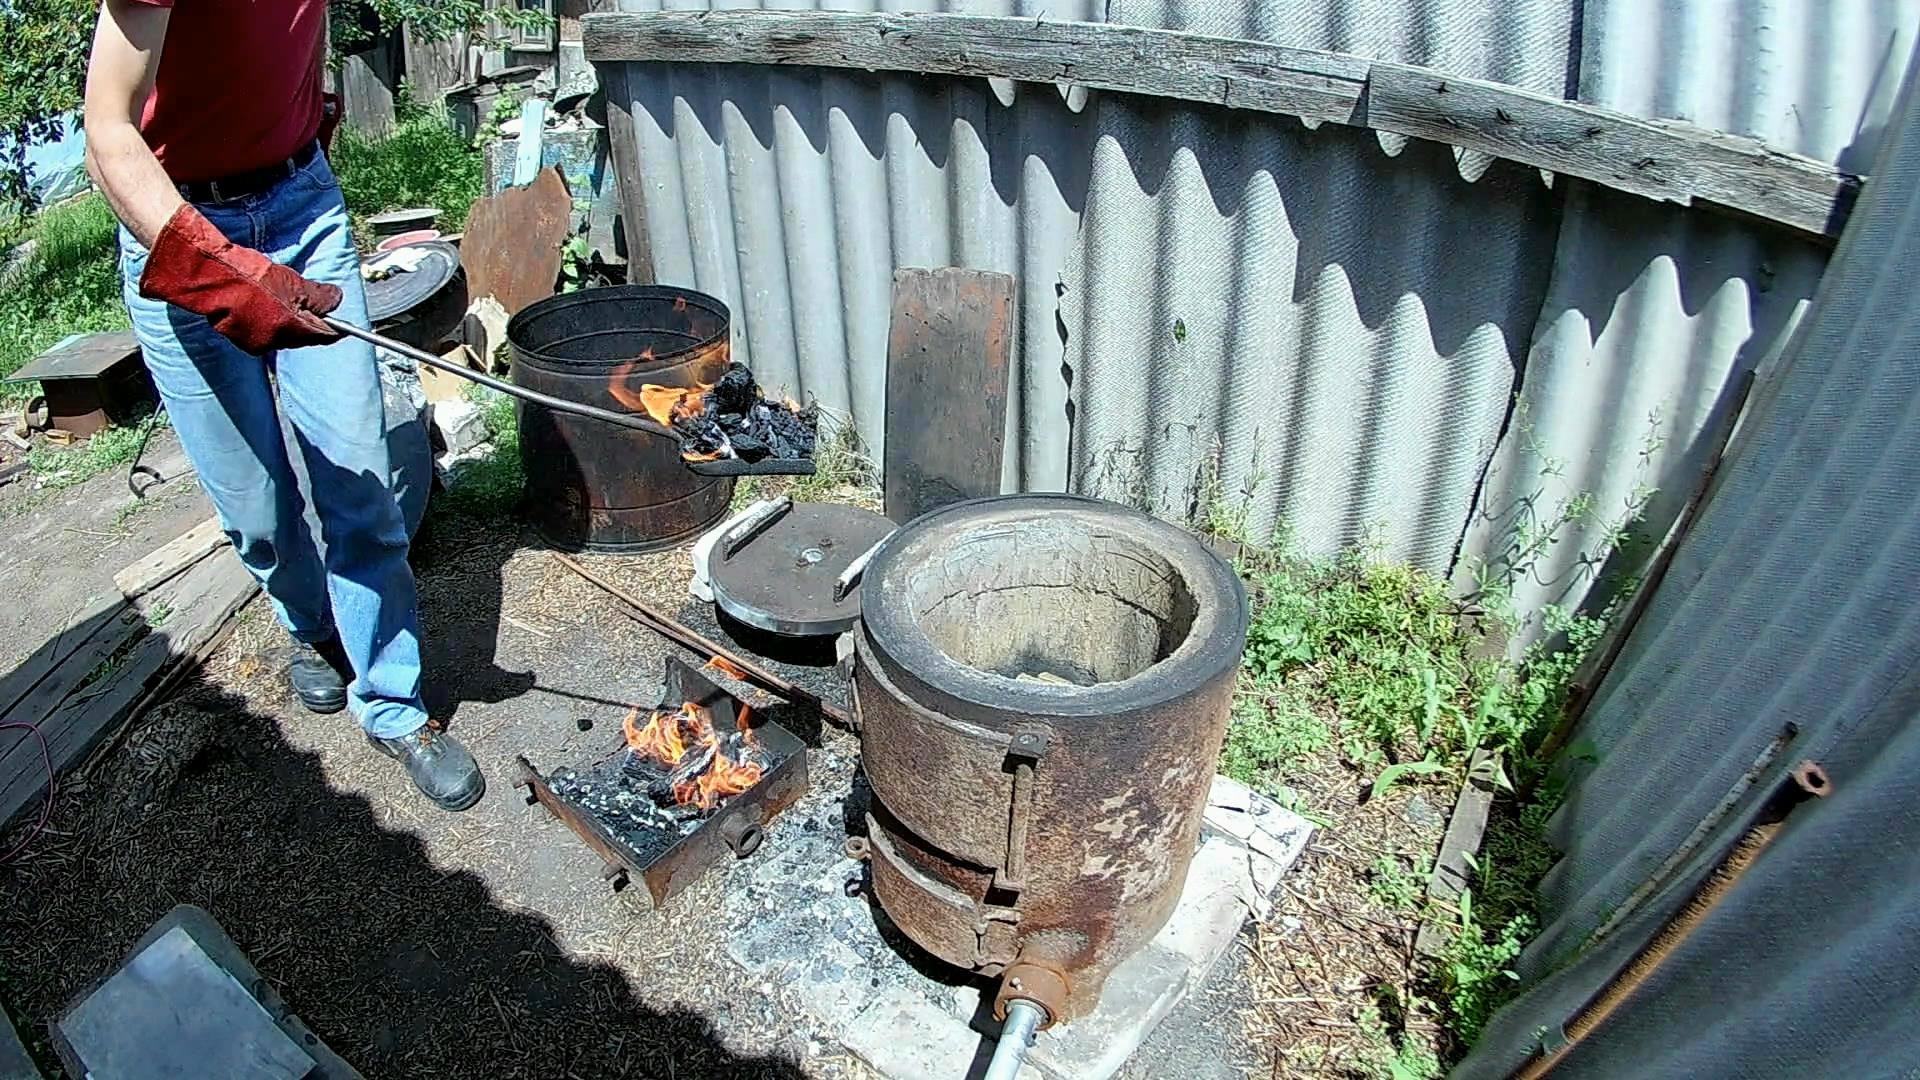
1664 160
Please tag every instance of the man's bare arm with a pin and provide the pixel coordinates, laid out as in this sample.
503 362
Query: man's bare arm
126 56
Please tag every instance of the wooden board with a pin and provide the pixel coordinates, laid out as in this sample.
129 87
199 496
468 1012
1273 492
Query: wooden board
1453 869
511 246
85 699
173 558
1665 160
948 355
623 141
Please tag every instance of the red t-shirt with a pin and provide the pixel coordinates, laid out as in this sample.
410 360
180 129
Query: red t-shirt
238 86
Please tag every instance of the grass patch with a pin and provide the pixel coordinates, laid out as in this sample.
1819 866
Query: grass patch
489 488
69 285
1366 675
60 468
423 162
841 464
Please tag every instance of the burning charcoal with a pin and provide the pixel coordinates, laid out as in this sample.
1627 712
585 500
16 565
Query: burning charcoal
694 762
735 393
748 447
701 436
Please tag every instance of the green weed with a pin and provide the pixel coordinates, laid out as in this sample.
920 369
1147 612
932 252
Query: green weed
60 468
423 162
1384 1058
1270 729
488 488
69 285
1474 977
1398 884
158 613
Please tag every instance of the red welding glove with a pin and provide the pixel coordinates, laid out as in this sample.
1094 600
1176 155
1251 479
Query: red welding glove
251 300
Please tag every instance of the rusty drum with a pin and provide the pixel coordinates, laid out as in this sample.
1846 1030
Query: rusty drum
592 486
1043 683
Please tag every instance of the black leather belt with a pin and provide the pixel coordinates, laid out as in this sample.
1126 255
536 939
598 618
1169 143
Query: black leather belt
240 185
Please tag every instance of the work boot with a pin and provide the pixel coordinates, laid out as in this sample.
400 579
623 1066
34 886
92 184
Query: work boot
441 768
318 675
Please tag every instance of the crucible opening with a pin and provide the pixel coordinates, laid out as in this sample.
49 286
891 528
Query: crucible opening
1052 601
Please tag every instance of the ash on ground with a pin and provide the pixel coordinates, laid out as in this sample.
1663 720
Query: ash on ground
735 421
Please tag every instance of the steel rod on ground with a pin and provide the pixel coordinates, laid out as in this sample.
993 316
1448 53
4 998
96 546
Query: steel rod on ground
686 637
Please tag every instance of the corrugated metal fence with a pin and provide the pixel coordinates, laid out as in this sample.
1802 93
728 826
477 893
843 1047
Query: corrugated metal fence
1335 324
1788 614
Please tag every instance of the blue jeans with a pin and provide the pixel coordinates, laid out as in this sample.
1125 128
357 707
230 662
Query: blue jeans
227 412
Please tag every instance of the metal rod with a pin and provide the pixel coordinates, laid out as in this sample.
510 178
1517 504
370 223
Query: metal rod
688 638
1016 1036
532 397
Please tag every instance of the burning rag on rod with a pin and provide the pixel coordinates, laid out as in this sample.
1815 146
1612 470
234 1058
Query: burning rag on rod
730 419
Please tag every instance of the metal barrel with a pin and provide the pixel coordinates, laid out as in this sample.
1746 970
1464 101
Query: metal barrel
1043 685
592 486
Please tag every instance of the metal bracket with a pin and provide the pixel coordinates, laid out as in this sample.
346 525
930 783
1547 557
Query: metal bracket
994 938
857 569
1029 745
743 532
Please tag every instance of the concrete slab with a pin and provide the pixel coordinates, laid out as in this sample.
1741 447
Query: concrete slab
806 928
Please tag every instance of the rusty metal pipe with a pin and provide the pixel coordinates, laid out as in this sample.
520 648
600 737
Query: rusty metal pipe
532 397
1016 1037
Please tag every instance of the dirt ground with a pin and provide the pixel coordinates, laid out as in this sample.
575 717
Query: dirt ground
59 550
420 943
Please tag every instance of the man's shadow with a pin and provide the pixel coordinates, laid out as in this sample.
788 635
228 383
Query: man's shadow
403 967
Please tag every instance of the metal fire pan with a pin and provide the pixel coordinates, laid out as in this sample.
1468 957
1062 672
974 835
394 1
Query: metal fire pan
734 831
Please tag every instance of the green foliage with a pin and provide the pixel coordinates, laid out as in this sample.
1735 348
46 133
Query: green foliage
43 65
357 24
1400 770
70 285
1384 1058
1396 885
1270 730
60 468
489 488
1474 976
423 162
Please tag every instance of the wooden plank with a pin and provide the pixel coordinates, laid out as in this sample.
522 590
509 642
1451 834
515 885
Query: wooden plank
948 355
1453 869
74 651
365 84
172 558
1664 160
1104 56
1661 160
623 140
87 698
434 67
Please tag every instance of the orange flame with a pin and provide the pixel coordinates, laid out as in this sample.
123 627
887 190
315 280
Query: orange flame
668 736
725 667
622 375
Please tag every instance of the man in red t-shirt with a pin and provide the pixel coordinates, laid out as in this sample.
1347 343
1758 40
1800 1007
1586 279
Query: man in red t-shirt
204 129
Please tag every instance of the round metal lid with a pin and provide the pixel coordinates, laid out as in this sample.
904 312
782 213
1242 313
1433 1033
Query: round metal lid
402 291
782 576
